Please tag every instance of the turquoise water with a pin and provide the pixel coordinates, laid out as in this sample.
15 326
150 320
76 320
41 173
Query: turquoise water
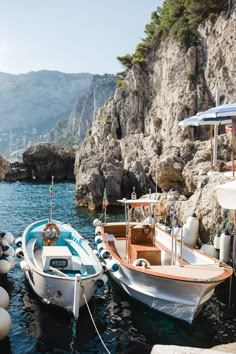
125 325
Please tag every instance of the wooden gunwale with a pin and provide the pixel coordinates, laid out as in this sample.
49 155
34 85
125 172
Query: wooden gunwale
227 270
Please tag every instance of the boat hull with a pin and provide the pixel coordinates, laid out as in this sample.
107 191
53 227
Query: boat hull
60 292
180 299
76 282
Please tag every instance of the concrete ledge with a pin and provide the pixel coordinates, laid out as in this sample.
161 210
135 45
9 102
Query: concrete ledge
175 349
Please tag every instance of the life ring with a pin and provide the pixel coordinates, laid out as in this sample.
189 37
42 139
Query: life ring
50 241
146 230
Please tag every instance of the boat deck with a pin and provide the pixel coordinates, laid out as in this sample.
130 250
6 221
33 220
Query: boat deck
199 272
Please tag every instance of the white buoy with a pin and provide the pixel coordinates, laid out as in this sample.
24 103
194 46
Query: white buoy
5 323
141 262
11 260
98 239
105 254
5 266
5 243
4 298
19 252
24 266
209 249
102 280
9 237
190 231
225 241
101 247
217 242
9 251
97 222
98 230
18 242
112 265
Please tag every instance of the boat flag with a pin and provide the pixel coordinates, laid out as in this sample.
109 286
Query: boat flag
105 202
51 188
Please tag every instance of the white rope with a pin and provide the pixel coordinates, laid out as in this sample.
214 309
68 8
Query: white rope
91 316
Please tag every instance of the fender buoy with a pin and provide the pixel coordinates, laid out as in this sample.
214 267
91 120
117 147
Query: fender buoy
5 323
141 262
225 241
4 298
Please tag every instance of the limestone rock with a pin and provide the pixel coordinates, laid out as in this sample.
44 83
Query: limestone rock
46 160
135 137
4 167
17 172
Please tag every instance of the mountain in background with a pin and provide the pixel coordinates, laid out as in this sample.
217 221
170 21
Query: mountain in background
72 129
31 104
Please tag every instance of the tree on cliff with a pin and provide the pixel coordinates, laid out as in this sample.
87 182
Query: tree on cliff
179 18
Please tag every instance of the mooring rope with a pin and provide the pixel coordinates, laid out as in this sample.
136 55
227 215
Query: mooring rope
91 316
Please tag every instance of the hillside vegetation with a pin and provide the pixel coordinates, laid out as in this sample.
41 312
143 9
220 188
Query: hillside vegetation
179 18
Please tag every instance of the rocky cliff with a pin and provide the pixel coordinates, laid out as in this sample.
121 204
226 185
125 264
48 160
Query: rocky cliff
72 129
135 139
43 161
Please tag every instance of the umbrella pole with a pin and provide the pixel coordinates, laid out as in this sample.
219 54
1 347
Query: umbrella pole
211 148
233 125
215 145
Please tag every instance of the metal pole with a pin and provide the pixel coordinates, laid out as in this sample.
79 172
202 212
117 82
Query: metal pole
232 126
215 133
51 199
76 296
211 148
181 246
105 205
230 289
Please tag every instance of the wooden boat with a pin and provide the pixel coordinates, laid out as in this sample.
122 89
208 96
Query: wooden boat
59 264
156 268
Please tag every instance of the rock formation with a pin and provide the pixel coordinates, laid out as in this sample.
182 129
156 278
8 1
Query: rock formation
72 129
46 160
4 167
135 139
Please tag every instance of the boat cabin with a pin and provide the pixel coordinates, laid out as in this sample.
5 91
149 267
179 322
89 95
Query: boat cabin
58 257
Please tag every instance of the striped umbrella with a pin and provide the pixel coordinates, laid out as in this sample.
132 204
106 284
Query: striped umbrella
214 116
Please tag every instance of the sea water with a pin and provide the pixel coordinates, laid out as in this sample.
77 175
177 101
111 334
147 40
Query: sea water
125 325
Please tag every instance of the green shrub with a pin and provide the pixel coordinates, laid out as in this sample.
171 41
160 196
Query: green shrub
179 18
122 84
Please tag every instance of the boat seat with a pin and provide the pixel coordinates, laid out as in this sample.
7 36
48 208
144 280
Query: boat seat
149 252
84 257
30 250
141 235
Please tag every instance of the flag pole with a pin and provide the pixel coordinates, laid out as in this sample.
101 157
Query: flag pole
51 198
105 205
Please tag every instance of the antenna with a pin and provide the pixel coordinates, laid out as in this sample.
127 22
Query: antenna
51 199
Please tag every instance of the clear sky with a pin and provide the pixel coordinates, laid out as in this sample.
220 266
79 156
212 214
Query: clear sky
73 36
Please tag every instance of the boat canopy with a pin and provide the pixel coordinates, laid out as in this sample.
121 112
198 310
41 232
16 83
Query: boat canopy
226 195
138 202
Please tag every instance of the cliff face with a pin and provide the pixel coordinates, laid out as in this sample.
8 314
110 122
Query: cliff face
135 139
42 161
72 130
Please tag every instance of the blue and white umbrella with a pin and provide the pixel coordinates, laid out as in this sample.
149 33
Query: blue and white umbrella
214 116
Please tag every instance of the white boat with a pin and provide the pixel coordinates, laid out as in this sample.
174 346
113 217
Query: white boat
156 268
59 264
